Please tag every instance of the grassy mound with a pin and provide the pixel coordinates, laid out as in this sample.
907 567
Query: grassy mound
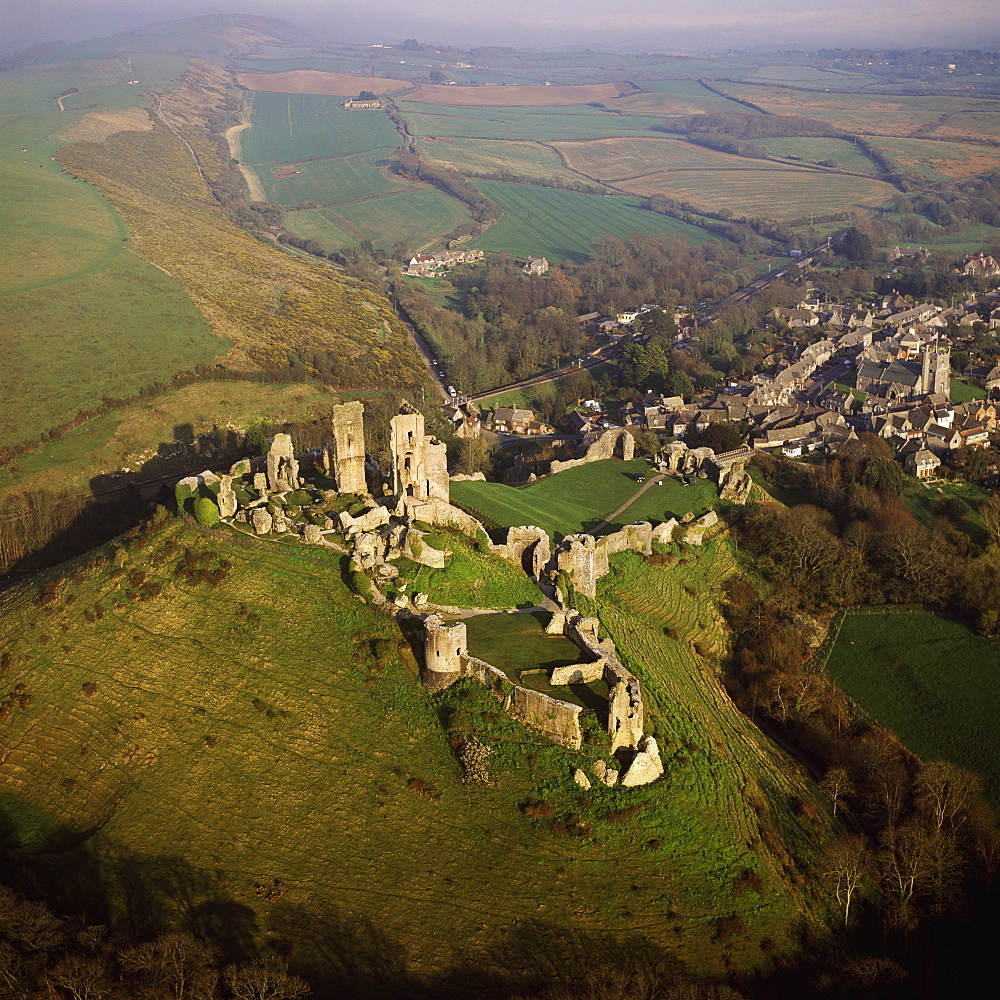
213 732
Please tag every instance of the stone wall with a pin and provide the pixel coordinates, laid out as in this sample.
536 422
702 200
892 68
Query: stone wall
344 455
614 443
584 559
558 720
419 463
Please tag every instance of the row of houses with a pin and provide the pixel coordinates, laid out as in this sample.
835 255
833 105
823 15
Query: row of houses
423 264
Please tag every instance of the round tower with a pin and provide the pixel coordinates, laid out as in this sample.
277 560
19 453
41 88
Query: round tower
444 646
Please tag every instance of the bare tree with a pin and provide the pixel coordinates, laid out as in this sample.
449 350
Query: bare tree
945 792
846 865
83 977
264 979
29 924
905 861
837 784
178 962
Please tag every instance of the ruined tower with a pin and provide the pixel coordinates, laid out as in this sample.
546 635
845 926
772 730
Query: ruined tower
282 466
935 369
419 463
444 646
344 455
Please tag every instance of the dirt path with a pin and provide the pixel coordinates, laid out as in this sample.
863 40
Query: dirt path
625 506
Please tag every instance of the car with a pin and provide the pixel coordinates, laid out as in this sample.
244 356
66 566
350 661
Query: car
659 482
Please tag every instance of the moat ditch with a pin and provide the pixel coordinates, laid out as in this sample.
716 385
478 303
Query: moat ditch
520 647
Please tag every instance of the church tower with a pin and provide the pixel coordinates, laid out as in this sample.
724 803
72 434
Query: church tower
935 374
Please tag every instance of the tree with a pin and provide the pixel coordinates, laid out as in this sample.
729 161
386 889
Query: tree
883 475
945 792
845 865
681 385
264 979
177 962
856 246
206 512
83 978
837 784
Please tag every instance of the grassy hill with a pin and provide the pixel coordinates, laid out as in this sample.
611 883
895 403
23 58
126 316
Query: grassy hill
218 735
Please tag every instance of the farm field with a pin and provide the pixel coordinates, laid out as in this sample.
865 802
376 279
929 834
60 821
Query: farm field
930 680
417 214
563 225
330 180
939 161
843 152
673 97
618 159
872 114
577 499
287 128
539 124
784 195
473 157
519 96
308 81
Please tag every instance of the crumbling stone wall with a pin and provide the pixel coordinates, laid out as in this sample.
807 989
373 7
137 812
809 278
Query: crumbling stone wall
282 466
444 652
597 446
419 463
558 720
584 559
343 456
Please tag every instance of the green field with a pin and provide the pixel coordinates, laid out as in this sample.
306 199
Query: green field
539 124
288 128
72 343
931 681
673 97
577 499
527 160
939 161
563 225
844 153
417 214
782 194
327 181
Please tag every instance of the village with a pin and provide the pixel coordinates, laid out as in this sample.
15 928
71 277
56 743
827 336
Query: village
840 370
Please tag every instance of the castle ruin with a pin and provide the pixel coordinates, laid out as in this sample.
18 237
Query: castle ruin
419 463
343 457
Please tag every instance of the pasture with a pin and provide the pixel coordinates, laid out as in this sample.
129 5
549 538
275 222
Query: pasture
929 679
616 160
70 343
563 225
578 499
329 180
287 128
305 81
417 214
492 95
933 160
672 98
476 157
875 114
844 153
782 194
538 124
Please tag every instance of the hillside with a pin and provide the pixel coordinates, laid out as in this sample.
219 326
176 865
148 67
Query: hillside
114 286
219 736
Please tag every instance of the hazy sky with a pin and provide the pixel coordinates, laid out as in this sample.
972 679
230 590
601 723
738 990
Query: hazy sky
648 24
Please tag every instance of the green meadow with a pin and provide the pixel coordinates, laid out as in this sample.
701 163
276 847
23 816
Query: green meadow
563 225
287 128
929 679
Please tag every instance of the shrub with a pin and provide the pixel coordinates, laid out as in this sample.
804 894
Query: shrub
182 494
206 512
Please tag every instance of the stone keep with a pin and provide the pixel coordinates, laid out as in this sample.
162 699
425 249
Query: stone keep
344 455
419 463
282 468
444 646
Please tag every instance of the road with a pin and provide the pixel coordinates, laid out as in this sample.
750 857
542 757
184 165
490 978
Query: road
592 360
625 506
